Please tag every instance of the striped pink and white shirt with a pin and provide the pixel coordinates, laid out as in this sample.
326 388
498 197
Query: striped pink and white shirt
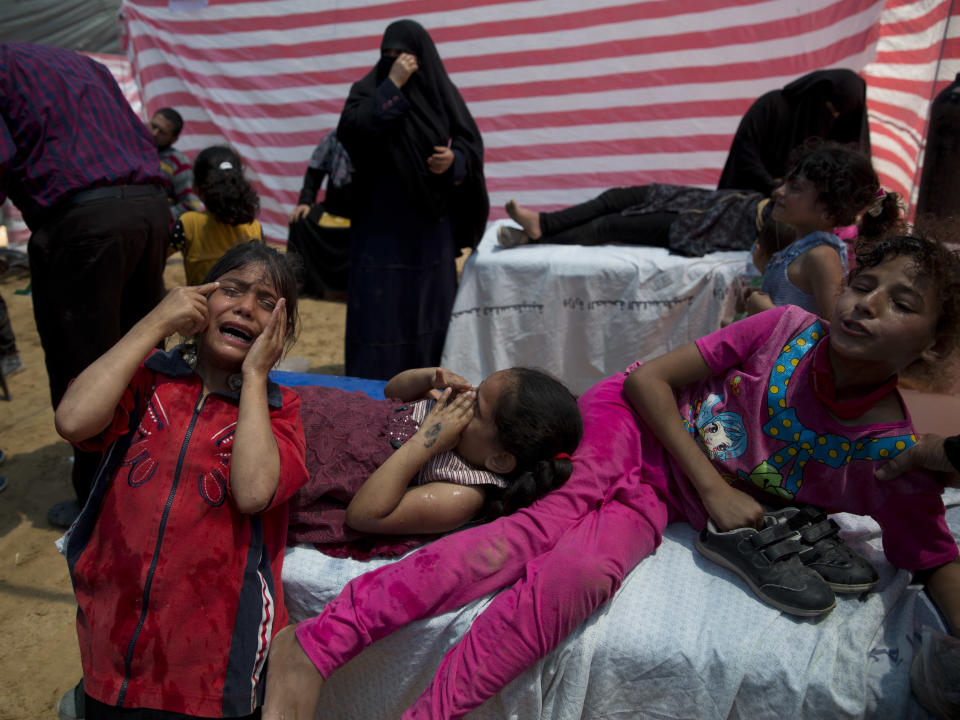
448 466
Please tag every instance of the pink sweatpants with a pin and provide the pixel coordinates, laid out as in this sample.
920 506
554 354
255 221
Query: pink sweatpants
559 560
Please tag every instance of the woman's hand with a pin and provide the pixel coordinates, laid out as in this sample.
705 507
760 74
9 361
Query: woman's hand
403 67
441 428
731 508
183 310
441 160
268 346
299 212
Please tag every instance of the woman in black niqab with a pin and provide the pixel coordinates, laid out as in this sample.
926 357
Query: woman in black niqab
412 216
830 104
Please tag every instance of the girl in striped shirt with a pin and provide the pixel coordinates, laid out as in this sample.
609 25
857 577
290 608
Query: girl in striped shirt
442 453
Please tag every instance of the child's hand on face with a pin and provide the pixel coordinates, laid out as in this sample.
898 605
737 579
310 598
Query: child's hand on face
441 428
184 310
731 508
444 378
268 346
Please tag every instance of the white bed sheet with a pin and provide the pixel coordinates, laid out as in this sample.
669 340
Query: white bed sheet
683 638
582 313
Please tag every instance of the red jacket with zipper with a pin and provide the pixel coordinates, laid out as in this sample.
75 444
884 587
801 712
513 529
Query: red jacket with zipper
179 593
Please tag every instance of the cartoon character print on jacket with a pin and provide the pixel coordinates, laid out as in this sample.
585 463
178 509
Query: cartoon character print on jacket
782 473
212 484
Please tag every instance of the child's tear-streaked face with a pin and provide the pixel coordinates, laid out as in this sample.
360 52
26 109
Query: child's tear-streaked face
239 310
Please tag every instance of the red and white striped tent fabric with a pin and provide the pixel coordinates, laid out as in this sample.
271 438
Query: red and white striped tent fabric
571 98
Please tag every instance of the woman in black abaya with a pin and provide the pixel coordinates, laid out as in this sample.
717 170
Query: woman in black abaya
830 104
419 195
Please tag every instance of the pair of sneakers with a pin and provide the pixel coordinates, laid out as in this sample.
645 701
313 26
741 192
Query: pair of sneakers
796 563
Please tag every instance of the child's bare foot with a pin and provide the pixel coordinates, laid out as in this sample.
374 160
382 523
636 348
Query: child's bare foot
293 683
527 219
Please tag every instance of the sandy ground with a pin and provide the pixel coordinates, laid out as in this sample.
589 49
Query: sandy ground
39 657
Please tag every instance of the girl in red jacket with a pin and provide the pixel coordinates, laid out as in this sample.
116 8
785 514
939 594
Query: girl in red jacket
176 557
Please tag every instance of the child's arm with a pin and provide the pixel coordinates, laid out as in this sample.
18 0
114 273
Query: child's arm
944 587
385 504
417 383
255 460
819 272
821 275
757 301
650 391
89 403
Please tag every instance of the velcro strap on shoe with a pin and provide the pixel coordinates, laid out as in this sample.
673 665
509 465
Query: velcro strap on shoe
782 549
812 534
772 534
808 514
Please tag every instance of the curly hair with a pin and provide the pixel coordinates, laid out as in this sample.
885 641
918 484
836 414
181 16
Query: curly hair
845 180
930 245
226 193
537 419
884 213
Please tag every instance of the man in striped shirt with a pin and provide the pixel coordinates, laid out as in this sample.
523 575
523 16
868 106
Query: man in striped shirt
165 126
82 168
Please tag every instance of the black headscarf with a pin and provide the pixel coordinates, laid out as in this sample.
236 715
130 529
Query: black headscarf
437 115
781 120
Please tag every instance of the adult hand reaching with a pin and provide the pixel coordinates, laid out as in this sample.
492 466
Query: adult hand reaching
928 454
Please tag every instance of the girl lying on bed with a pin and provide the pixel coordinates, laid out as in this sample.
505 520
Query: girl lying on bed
819 406
385 473
828 186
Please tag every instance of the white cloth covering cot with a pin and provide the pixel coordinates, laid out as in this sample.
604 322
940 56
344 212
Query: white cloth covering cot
582 313
682 638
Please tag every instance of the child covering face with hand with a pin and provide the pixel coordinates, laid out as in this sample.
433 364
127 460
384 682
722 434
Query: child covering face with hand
436 455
